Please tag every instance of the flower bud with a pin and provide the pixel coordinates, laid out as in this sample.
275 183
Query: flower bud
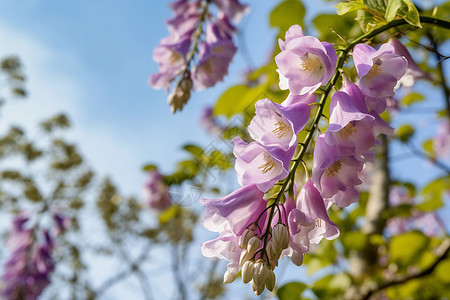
180 95
245 256
247 271
231 273
297 258
258 289
270 280
253 245
280 235
245 237
260 272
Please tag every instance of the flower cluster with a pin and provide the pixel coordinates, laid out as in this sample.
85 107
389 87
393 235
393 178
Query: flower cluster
27 271
261 222
156 192
340 152
254 233
187 36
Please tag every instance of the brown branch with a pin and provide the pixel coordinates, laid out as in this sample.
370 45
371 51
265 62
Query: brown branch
442 252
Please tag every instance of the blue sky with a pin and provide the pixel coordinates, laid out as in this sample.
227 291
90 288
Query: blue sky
92 59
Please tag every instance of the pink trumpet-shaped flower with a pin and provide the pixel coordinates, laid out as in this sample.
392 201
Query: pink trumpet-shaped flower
413 72
350 129
235 211
263 166
156 192
332 172
378 70
275 125
305 63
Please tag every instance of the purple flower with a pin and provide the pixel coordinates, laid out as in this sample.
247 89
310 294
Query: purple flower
332 172
209 122
311 203
214 57
293 32
344 198
441 142
232 9
26 272
294 99
378 70
170 56
373 106
156 191
275 125
350 129
263 166
225 246
62 223
413 72
305 63
235 211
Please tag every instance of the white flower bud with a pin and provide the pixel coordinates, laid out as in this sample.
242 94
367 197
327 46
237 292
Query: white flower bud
244 257
280 235
247 271
180 95
231 273
273 255
253 245
258 289
260 272
245 237
270 280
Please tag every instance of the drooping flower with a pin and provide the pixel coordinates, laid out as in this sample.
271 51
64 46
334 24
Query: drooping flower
275 125
413 72
214 58
263 166
224 247
209 122
378 70
156 192
27 272
308 223
332 172
350 129
441 142
170 56
294 99
235 211
233 9
305 63
373 106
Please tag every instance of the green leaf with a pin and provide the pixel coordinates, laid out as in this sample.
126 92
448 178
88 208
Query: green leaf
286 14
169 214
291 290
405 132
193 149
442 271
406 249
412 98
391 10
149 167
331 286
343 8
228 102
354 240
409 12
433 194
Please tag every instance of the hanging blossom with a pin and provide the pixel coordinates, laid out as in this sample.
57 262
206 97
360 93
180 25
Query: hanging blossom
253 236
210 123
441 142
27 272
195 30
156 192
379 70
304 63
